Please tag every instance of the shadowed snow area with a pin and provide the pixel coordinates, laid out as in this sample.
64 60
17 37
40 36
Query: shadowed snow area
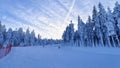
65 57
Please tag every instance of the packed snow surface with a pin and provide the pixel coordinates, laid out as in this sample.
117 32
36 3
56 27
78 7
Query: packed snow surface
65 57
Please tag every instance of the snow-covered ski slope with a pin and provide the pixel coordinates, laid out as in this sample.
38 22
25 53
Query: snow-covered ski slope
65 57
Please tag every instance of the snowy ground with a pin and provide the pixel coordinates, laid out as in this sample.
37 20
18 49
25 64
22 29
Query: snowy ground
66 57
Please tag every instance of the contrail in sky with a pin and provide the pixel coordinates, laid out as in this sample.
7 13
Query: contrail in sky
68 14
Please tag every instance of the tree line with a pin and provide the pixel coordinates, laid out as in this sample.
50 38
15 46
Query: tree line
21 38
101 29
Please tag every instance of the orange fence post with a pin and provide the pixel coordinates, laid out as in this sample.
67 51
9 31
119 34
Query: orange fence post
0 46
5 51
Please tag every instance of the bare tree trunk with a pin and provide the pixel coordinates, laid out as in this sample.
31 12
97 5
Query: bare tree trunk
113 42
109 44
118 41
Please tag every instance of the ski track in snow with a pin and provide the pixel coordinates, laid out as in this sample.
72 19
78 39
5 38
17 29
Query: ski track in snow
65 57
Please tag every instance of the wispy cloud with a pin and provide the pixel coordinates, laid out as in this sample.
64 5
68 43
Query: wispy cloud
47 17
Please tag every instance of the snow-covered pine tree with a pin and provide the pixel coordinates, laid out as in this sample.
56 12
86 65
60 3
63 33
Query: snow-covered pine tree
20 35
94 15
38 41
76 38
71 28
96 28
65 35
86 34
102 20
15 38
2 33
27 38
68 35
81 32
111 32
32 38
110 28
8 36
116 15
1 38
89 32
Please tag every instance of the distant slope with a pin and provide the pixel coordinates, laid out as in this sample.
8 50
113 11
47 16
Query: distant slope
66 57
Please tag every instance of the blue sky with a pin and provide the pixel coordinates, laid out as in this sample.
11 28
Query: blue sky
48 18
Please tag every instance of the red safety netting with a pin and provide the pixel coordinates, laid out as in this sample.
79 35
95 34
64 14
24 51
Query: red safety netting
5 51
